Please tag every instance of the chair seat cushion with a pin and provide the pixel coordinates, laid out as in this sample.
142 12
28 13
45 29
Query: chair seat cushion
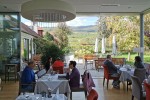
76 89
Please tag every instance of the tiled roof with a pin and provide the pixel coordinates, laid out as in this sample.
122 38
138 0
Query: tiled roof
26 29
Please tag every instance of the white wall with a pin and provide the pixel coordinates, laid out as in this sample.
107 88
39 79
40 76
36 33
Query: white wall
30 37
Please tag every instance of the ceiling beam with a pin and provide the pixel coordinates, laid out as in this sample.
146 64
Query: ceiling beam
107 13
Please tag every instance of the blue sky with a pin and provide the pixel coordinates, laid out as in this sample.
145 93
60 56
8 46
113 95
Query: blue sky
78 21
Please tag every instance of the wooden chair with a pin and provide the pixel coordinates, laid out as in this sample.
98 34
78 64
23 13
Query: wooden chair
60 69
147 88
108 76
19 74
93 95
89 60
99 63
10 72
137 89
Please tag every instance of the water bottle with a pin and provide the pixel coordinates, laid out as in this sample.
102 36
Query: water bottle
49 93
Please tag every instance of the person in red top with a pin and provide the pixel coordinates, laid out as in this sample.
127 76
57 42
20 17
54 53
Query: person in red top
58 65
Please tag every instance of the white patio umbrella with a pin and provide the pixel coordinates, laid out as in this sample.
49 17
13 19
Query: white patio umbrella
96 46
114 46
103 45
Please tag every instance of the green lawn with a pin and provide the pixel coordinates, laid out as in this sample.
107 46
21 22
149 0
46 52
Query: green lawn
132 56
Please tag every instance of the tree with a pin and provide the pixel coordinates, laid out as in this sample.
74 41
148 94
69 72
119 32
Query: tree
60 36
147 30
40 43
103 31
47 49
48 37
65 28
51 50
127 31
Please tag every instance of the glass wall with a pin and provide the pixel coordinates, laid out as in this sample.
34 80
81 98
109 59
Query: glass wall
9 40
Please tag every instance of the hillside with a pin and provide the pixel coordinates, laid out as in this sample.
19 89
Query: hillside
90 28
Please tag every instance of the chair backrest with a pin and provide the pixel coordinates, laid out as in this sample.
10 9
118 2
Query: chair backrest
147 88
140 73
88 81
106 71
41 73
60 69
93 95
136 88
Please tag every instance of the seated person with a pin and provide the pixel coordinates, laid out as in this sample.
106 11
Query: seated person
28 76
138 62
48 63
74 77
58 64
112 70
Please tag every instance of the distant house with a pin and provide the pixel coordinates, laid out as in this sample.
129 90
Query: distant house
28 48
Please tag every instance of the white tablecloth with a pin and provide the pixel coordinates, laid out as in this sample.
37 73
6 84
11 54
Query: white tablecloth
48 81
125 74
30 96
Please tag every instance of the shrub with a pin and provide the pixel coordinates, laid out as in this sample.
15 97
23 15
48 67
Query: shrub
51 50
48 49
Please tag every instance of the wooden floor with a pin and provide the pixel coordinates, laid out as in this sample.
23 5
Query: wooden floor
10 91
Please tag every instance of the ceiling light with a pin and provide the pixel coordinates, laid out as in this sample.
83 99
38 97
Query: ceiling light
110 5
47 11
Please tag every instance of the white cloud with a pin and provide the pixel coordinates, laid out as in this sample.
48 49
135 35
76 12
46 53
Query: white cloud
82 21
76 22
28 23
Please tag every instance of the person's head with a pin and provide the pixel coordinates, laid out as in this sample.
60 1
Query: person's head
31 64
138 59
49 59
109 57
72 64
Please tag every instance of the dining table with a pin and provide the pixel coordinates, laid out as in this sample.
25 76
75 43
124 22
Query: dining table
54 82
126 72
